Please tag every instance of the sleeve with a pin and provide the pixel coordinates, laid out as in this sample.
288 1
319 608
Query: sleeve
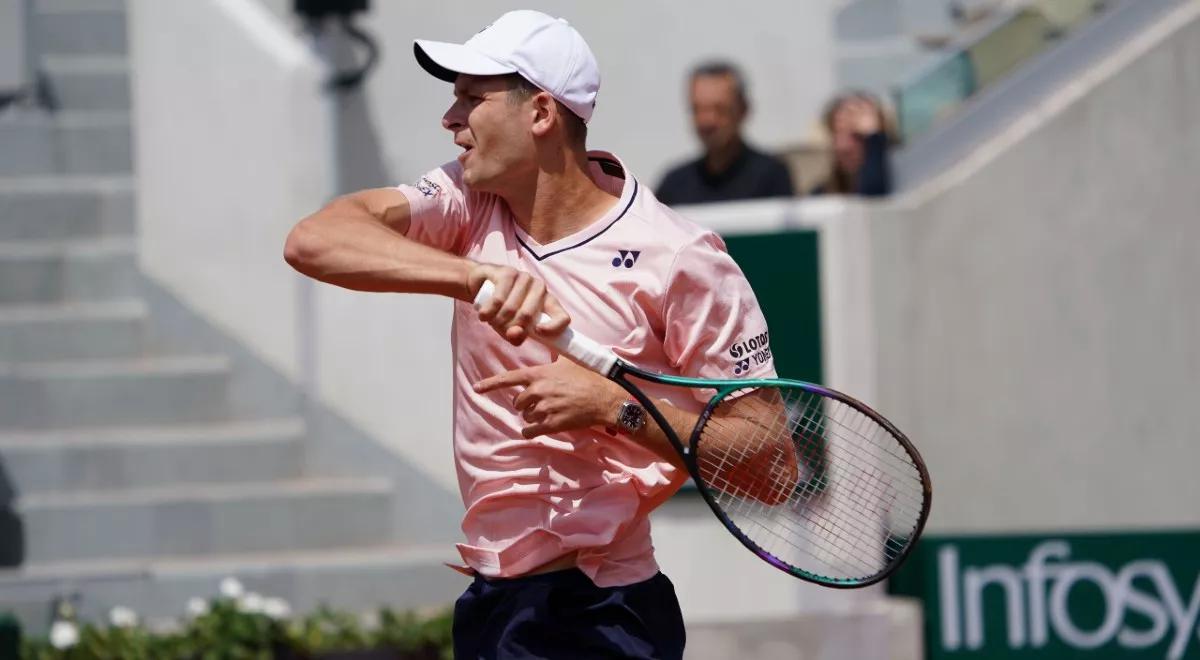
713 325
438 207
875 174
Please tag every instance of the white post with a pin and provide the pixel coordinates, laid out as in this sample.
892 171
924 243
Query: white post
15 63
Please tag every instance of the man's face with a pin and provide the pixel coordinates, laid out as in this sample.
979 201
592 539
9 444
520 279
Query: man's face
494 133
717 112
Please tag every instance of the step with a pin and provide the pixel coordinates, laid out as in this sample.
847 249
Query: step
352 578
72 270
71 393
55 207
80 5
58 331
150 456
205 519
88 82
80 28
66 143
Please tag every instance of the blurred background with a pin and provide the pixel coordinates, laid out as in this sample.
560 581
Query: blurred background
987 230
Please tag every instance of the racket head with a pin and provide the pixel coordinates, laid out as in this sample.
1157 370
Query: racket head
811 480
833 468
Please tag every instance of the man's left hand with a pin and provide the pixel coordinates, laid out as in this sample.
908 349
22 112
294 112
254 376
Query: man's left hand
560 396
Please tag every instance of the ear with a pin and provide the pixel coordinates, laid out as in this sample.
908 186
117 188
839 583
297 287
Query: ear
545 114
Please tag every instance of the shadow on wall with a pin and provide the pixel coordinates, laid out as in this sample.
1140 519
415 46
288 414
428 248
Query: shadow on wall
12 530
360 160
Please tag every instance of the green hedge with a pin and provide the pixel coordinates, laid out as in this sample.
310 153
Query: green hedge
228 630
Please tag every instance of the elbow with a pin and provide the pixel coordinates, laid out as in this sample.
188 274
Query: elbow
303 248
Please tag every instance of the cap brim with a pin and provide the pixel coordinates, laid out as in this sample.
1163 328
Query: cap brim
445 61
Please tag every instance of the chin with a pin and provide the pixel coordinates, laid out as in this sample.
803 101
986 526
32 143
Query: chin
483 179
476 182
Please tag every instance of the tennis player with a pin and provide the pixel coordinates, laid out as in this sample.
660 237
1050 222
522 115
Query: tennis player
557 466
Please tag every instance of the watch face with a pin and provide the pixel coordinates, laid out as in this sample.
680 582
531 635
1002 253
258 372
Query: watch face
632 417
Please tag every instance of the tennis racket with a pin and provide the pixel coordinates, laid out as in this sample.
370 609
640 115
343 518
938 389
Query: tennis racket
812 481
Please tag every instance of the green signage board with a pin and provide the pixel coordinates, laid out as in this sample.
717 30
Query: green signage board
784 271
1094 596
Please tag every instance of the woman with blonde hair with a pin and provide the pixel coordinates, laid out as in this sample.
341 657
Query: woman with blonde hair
859 142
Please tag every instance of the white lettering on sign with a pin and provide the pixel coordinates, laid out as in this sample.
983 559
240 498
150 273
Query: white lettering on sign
1036 598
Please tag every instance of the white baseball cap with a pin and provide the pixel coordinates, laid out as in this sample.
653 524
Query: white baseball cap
546 51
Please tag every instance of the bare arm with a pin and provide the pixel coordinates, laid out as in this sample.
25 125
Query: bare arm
744 448
357 241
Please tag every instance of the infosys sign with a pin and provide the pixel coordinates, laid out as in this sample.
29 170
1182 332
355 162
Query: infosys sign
1128 595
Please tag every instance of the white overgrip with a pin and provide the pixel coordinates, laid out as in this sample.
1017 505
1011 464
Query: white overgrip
579 348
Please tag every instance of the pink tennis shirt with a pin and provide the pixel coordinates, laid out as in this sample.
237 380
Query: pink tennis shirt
658 289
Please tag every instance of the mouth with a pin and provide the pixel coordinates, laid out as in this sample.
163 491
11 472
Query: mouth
466 150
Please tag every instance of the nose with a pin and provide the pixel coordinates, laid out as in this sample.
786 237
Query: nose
454 119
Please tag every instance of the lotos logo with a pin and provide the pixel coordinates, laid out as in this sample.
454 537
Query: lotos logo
749 346
1080 604
750 353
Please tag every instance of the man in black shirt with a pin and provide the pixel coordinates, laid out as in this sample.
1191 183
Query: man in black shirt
729 169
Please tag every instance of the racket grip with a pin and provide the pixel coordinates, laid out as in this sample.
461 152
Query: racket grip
579 348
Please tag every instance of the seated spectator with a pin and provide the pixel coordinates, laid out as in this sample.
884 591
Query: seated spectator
729 169
859 138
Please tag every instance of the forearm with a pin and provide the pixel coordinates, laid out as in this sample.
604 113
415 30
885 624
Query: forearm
654 437
744 449
345 246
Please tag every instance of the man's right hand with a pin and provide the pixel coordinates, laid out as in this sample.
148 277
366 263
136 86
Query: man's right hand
517 304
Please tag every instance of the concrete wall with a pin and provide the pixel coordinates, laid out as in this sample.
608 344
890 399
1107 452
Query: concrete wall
645 49
1035 308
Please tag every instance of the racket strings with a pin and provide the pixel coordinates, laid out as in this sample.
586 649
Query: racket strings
805 478
741 455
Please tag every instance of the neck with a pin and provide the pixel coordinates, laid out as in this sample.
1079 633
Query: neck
560 201
719 160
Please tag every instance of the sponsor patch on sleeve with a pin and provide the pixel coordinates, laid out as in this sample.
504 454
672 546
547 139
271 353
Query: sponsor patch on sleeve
427 187
748 354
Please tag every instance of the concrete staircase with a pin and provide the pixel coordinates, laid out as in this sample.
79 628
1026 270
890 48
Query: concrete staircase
142 468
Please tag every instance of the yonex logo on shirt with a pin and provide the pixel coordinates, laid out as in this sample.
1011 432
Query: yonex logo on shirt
626 258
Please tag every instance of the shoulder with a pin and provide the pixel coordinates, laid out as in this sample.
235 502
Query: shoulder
445 178
444 185
670 229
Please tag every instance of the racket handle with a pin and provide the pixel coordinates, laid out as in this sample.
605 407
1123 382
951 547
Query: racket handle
579 348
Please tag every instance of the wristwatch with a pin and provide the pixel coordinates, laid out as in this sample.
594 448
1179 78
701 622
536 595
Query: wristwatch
631 417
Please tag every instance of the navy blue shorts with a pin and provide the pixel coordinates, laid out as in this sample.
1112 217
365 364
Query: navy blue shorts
564 616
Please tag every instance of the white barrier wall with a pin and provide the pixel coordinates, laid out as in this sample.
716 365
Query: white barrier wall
231 149
13 67
1036 309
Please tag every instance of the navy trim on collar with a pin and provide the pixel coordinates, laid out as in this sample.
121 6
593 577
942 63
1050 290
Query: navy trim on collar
586 240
